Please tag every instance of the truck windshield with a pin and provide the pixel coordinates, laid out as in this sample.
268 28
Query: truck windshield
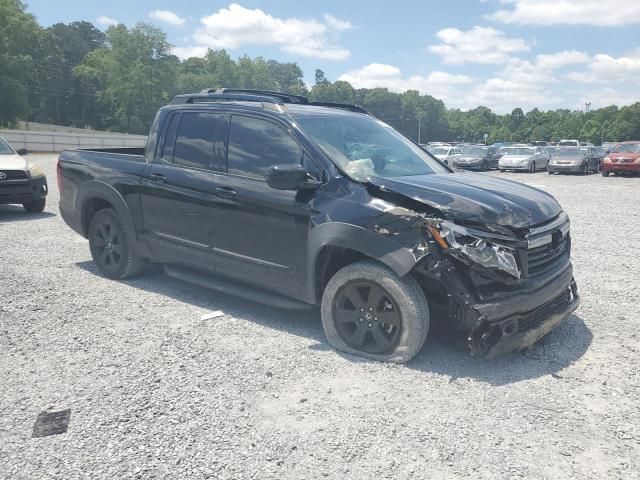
363 147
5 149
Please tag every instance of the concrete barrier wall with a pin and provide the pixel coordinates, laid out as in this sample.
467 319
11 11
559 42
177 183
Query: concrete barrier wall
56 142
47 127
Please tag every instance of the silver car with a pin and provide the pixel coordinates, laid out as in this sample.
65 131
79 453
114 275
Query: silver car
529 159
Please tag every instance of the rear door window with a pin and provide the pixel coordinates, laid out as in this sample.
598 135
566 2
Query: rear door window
256 144
195 139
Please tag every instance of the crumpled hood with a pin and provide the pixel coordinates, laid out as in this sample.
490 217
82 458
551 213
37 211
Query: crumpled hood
476 198
13 162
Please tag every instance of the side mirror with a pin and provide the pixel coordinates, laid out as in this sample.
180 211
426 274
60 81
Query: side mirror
290 177
22 152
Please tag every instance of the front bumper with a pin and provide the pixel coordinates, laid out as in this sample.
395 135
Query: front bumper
517 332
468 166
499 318
23 191
523 166
621 167
566 168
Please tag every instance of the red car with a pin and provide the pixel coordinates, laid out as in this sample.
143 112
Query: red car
624 158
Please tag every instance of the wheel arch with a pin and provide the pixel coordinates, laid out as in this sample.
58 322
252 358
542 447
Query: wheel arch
95 196
335 245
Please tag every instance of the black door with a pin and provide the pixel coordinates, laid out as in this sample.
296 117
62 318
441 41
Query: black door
263 234
179 190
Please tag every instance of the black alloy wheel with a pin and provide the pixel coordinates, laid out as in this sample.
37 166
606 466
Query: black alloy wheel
106 240
366 317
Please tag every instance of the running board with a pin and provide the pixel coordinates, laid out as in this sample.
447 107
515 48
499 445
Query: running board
237 289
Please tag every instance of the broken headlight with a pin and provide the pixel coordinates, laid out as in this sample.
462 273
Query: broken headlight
475 246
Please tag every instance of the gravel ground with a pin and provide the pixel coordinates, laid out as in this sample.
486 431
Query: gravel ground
156 392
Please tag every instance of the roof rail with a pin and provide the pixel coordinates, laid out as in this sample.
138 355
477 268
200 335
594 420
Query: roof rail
272 100
225 97
284 97
343 106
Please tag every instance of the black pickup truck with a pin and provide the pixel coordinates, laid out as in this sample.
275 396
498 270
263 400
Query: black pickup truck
295 203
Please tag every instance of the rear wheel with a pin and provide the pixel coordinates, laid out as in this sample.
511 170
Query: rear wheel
35 206
605 173
112 247
368 310
585 169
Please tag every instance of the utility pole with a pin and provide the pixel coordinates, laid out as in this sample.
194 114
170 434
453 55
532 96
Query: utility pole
419 118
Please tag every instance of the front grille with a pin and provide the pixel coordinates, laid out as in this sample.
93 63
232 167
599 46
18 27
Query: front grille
13 175
543 258
539 315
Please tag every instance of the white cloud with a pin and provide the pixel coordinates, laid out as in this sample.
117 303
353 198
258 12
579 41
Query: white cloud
569 12
106 21
437 84
604 68
188 52
519 83
336 24
167 16
478 45
236 26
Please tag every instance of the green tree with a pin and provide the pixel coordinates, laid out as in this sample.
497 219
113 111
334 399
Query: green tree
19 45
135 74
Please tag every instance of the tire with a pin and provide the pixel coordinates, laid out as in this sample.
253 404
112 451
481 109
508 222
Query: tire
35 206
605 174
111 246
484 166
585 169
549 172
401 300
532 168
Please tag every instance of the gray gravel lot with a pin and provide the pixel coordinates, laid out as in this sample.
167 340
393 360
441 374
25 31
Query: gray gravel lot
156 392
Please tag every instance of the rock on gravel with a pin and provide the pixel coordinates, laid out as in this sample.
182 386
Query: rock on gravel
156 390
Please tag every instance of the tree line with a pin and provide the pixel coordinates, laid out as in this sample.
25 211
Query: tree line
76 75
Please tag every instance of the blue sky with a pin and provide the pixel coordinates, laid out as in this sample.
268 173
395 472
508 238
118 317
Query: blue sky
498 53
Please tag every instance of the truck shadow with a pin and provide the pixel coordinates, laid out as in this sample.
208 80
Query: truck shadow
444 352
15 213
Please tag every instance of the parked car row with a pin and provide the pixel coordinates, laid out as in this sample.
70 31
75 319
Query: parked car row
566 156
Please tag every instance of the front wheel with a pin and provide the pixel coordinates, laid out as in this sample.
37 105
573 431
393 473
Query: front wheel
585 169
368 310
484 166
112 247
532 168
35 206
605 173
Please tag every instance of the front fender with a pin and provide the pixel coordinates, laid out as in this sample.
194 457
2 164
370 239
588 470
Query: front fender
399 258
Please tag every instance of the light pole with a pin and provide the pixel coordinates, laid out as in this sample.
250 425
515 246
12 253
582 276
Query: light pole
419 118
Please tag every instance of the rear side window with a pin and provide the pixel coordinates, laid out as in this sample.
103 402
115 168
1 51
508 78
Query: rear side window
170 139
256 144
195 139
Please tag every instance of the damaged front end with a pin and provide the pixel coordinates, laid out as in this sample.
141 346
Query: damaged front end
506 286
507 289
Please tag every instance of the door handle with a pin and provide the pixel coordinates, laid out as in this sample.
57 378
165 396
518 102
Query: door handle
158 177
226 192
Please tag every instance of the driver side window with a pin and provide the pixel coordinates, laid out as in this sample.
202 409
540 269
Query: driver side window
256 144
